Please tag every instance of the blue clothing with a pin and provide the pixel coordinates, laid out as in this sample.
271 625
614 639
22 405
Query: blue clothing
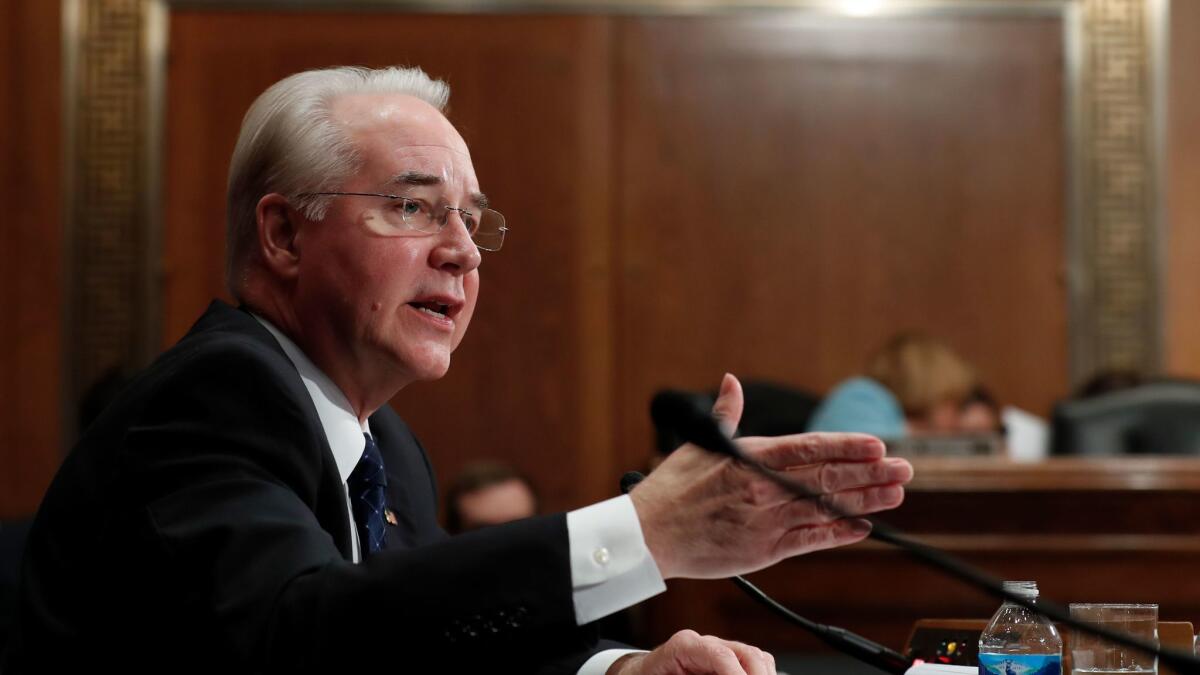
860 404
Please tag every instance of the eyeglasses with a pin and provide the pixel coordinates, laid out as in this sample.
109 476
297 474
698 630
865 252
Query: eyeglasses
404 216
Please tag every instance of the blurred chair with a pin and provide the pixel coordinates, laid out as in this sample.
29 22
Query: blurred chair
1160 418
771 410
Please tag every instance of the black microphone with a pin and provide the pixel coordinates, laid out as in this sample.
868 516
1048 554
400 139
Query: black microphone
847 642
675 411
629 480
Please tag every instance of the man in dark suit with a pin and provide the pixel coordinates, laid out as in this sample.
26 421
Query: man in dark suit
250 503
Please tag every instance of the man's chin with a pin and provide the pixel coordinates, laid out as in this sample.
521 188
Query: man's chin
413 360
432 374
425 367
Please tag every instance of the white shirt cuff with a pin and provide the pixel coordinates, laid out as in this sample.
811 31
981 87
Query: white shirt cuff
602 661
611 568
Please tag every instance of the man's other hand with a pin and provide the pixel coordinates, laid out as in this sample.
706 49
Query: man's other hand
704 515
688 652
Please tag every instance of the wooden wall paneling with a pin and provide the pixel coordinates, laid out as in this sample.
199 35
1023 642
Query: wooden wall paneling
792 190
531 381
31 276
1182 301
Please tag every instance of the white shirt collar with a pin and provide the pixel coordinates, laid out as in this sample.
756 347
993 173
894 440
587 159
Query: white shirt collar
342 428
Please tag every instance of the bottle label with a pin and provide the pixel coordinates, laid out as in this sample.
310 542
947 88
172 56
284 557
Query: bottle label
1020 664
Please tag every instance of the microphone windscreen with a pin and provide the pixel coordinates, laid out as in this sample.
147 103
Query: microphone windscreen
676 411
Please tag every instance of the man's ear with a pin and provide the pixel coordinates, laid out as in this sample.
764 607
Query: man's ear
277 229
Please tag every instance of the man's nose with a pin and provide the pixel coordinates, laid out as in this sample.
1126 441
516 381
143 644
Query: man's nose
455 251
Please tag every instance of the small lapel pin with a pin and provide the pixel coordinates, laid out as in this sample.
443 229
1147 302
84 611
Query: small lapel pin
389 516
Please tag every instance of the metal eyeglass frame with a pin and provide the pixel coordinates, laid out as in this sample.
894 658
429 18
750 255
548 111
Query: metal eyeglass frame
441 225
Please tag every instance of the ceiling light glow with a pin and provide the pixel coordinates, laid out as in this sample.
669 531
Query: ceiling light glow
860 7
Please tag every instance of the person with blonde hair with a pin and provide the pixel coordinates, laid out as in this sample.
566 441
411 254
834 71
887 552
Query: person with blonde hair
913 385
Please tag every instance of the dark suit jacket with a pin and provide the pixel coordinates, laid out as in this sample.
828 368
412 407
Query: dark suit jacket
200 526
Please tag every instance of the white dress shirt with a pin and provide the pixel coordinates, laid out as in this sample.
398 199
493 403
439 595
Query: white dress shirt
611 568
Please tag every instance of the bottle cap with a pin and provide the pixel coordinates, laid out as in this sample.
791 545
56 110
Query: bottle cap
1025 589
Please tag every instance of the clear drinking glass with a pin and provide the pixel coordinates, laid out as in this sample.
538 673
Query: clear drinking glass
1095 655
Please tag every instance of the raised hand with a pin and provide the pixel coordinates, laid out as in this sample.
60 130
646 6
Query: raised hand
708 516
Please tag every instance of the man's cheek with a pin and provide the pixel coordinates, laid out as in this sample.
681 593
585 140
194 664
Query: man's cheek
460 328
463 320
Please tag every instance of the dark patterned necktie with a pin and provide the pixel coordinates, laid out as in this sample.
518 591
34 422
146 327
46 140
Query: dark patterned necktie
367 485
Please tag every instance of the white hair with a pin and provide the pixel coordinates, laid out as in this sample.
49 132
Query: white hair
288 144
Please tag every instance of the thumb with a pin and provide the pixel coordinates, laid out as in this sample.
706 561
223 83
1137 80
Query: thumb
728 408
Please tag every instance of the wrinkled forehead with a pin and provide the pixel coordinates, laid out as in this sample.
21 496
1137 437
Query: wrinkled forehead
402 135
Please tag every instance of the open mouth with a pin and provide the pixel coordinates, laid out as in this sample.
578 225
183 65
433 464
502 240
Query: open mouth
432 308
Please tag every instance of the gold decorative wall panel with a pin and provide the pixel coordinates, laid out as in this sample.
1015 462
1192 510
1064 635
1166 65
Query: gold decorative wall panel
1116 304
106 190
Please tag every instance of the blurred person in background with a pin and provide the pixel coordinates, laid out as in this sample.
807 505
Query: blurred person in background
488 493
913 385
980 414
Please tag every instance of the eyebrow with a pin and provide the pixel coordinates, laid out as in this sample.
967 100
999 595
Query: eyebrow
416 178
421 179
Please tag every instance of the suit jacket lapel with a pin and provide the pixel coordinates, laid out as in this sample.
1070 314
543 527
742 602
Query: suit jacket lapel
330 508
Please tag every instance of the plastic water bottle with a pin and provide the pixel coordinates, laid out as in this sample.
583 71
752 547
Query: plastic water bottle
1018 641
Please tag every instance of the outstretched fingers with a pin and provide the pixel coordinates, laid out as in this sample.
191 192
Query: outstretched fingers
833 477
785 452
828 508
